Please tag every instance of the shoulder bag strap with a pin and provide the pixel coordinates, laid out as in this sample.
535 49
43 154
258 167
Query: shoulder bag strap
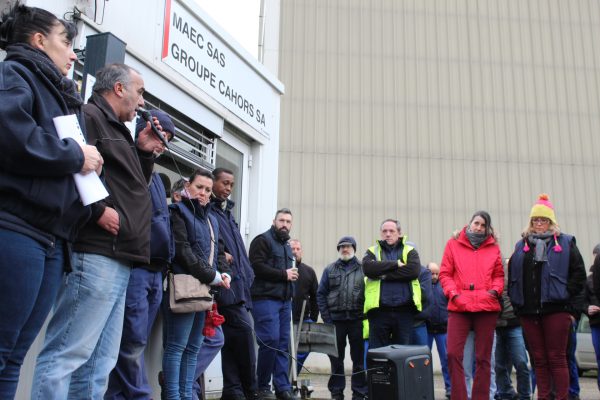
211 257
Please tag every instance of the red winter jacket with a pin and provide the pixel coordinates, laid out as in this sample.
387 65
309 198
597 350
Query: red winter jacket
470 273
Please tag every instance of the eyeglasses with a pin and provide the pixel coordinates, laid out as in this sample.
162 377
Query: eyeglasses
540 221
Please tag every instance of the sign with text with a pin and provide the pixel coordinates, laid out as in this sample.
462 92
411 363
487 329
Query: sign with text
194 51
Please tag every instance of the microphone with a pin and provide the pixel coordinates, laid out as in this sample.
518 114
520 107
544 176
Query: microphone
145 114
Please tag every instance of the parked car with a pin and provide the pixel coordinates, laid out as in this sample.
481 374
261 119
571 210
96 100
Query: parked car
584 354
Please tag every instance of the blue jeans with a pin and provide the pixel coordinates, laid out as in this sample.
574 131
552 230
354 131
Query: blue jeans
573 372
300 360
440 343
596 343
144 294
82 341
352 330
469 364
510 350
183 333
418 335
272 320
389 327
208 351
31 277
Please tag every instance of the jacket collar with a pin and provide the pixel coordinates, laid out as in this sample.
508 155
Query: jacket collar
218 204
348 265
195 207
399 244
464 240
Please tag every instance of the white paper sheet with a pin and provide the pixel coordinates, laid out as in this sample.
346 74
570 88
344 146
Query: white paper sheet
89 186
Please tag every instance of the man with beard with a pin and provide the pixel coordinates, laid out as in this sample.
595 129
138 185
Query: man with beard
340 297
272 260
392 290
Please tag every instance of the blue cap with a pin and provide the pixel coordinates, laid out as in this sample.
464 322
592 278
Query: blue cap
163 119
347 241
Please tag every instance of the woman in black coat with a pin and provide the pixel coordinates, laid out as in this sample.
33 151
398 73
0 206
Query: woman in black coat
40 209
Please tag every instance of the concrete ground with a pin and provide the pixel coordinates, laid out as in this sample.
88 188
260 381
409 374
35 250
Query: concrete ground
589 388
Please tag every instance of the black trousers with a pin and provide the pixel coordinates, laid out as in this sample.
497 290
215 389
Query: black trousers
352 330
238 355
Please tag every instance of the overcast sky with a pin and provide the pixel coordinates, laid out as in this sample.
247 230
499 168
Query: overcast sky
238 17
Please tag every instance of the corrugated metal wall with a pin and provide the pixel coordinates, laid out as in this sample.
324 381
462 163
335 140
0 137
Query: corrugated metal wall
427 110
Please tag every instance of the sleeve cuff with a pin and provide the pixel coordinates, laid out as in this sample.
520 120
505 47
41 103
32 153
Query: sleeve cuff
97 210
217 281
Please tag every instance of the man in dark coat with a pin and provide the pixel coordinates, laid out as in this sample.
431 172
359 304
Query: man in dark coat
238 358
305 289
83 336
144 291
272 260
341 296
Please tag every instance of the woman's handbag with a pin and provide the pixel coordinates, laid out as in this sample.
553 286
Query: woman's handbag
186 293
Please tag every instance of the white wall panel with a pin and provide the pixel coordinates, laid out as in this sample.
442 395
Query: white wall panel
429 110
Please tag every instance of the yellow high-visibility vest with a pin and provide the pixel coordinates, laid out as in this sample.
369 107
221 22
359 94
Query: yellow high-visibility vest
373 286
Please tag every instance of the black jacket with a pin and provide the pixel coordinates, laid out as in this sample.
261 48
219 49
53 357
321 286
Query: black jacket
341 293
596 276
305 288
126 173
37 193
270 257
590 299
242 274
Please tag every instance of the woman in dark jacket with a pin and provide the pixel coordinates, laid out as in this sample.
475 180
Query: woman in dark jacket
546 272
473 279
40 209
195 232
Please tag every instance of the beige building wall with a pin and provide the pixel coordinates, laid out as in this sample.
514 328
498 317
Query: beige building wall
428 110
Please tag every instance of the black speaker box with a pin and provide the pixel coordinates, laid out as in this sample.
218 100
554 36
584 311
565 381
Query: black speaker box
400 373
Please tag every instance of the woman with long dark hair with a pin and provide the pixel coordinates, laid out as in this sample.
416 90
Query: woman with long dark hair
40 209
546 273
472 277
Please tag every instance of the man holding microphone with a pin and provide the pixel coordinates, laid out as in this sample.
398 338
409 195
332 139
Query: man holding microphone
275 271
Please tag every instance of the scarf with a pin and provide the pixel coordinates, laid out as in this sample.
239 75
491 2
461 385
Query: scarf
39 62
476 239
540 241
194 205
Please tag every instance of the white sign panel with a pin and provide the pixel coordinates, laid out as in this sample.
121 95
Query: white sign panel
194 51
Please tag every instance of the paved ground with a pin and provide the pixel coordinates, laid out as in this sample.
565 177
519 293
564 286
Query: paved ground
589 388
